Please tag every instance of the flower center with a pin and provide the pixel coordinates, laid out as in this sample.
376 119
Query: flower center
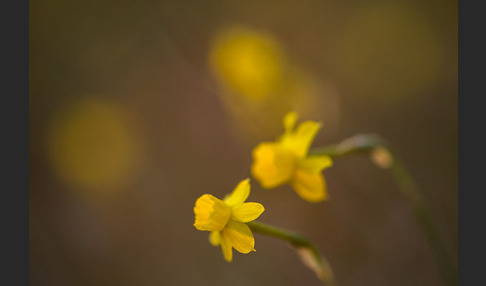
212 214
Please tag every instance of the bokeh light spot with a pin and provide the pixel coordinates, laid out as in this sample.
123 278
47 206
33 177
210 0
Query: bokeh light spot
93 146
248 62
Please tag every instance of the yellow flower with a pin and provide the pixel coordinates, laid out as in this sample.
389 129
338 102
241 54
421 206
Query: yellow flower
286 161
249 62
226 219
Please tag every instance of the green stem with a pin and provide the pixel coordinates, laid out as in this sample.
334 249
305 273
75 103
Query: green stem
317 262
367 143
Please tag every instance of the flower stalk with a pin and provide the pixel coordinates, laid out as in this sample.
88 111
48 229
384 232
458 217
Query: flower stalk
370 143
307 251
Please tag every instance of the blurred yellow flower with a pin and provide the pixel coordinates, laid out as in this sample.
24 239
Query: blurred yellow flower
248 62
286 161
95 146
226 219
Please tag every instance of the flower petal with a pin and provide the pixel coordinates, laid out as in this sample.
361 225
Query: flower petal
211 213
310 187
226 248
303 137
273 165
239 194
289 121
247 212
215 238
315 164
239 236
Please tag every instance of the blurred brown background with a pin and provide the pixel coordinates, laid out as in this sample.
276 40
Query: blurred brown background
139 107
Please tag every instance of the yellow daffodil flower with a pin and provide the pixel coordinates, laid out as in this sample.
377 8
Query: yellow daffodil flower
226 220
286 161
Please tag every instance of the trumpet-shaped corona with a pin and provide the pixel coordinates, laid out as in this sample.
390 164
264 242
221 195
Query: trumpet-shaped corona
287 161
226 220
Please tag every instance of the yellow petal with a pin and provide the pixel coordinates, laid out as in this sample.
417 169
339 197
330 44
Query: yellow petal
215 238
315 164
310 187
273 165
247 212
226 248
211 213
289 121
239 236
239 194
303 137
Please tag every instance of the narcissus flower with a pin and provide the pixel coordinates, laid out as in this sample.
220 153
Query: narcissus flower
226 220
287 161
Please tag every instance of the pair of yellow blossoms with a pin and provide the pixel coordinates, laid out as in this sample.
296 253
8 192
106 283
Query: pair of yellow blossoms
275 163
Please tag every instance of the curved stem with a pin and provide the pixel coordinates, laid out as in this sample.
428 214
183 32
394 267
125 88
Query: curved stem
307 251
367 143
